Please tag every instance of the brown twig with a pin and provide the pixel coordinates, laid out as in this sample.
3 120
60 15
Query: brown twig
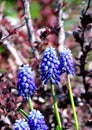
88 6
60 25
13 31
11 47
28 22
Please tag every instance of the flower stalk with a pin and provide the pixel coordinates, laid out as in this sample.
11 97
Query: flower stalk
56 107
72 103
30 103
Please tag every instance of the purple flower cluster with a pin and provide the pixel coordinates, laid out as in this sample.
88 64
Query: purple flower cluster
49 66
51 69
21 124
66 62
26 86
35 122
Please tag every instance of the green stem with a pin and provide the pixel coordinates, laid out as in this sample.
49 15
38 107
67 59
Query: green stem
56 107
72 103
30 103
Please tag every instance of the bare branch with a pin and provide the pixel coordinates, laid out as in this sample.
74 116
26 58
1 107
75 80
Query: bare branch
14 52
60 25
11 47
88 6
13 32
28 20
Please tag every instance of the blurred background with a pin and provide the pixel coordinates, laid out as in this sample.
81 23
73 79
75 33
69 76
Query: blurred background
15 50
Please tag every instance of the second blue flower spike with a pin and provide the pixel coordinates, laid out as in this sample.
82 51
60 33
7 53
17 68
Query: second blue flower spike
50 66
66 62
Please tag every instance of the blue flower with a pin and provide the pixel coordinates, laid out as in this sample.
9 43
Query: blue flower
49 66
21 124
26 86
36 121
66 62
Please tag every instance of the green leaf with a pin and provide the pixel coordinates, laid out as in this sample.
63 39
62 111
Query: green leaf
35 8
23 113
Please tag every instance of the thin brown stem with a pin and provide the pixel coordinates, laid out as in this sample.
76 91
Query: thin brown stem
29 25
60 25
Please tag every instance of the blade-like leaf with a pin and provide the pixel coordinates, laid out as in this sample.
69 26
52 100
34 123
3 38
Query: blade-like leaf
23 113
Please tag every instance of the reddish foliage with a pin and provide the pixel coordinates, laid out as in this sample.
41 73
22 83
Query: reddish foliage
18 38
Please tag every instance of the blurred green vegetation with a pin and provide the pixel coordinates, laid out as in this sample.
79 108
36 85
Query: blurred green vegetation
2 49
10 8
89 58
35 8
69 23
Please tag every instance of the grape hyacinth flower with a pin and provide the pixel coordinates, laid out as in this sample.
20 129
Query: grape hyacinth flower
26 86
66 62
21 124
49 66
36 120
67 65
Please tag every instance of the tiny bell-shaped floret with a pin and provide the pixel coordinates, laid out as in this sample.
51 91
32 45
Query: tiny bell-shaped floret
50 66
26 85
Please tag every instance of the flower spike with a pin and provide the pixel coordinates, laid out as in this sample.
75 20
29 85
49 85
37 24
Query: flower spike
50 66
66 62
26 86
36 121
